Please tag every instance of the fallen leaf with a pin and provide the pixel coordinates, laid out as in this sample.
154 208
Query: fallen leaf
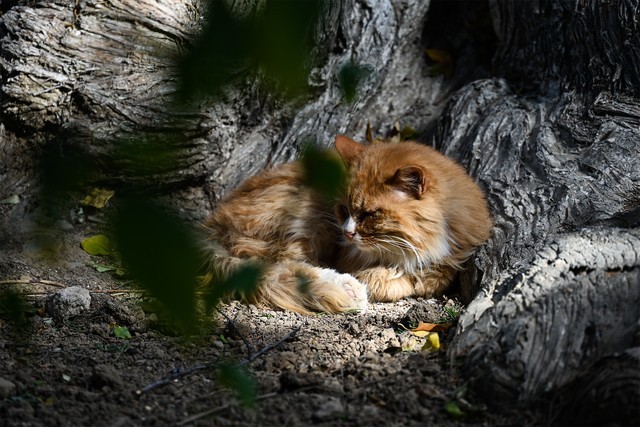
453 410
433 342
121 332
12 200
98 198
97 245
431 327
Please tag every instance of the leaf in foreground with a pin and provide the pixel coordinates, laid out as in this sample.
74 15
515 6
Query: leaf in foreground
239 380
324 171
159 252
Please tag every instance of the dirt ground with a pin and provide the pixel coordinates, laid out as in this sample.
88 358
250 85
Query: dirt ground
326 370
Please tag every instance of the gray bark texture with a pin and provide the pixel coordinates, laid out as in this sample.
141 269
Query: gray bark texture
541 107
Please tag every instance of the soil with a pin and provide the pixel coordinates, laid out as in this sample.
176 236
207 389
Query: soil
327 370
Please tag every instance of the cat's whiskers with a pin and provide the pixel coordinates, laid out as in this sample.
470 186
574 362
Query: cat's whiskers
406 247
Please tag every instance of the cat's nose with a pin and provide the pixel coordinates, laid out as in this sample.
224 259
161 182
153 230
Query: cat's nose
350 235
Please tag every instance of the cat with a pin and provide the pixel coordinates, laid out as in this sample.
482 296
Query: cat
407 219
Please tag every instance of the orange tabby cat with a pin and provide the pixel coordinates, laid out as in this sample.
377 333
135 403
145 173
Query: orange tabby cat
409 217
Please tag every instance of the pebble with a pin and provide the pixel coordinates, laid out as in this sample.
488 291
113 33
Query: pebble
7 388
329 409
68 302
107 375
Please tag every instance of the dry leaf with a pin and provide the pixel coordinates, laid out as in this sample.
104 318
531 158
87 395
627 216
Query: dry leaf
98 198
431 327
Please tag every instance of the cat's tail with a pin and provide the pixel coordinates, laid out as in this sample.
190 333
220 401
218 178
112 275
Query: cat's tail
292 285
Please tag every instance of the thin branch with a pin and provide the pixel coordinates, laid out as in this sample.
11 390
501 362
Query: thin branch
180 373
95 291
232 324
254 356
32 282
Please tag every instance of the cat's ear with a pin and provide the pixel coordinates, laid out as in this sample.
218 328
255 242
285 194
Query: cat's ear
348 148
411 180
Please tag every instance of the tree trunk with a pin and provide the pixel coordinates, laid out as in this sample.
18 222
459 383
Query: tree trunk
556 143
551 132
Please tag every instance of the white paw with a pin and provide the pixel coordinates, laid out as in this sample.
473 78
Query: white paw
356 290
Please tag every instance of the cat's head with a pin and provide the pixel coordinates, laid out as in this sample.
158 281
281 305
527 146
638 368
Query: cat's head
390 209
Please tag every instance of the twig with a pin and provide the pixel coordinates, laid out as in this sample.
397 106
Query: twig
235 328
175 374
196 417
254 356
178 373
95 291
32 282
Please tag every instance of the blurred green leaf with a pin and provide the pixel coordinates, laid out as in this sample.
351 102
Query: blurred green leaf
324 171
97 245
238 380
243 281
276 38
13 308
350 78
160 253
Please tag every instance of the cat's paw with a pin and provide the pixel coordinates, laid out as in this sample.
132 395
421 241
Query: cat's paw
355 290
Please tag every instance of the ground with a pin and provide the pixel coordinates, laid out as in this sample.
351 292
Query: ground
327 370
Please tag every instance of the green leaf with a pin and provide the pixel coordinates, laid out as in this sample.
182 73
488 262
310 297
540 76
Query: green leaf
275 39
121 332
238 380
160 253
454 410
324 171
350 77
97 245
243 281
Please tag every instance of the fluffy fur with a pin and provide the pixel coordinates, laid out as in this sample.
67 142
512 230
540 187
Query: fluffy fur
408 218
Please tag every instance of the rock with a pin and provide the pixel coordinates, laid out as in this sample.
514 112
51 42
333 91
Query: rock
328 409
68 302
105 375
7 388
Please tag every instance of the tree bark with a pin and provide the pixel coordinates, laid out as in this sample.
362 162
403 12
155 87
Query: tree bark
556 143
549 128
97 75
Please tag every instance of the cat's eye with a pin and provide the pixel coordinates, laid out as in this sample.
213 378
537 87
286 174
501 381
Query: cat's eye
342 211
366 214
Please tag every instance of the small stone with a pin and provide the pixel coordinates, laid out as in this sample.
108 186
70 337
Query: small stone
105 375
7 388
68 302
329 409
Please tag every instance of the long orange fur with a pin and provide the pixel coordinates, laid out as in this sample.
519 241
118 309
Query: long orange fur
408 218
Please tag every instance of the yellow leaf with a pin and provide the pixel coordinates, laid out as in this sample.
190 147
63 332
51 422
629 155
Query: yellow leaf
433 342
98 198
97 245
